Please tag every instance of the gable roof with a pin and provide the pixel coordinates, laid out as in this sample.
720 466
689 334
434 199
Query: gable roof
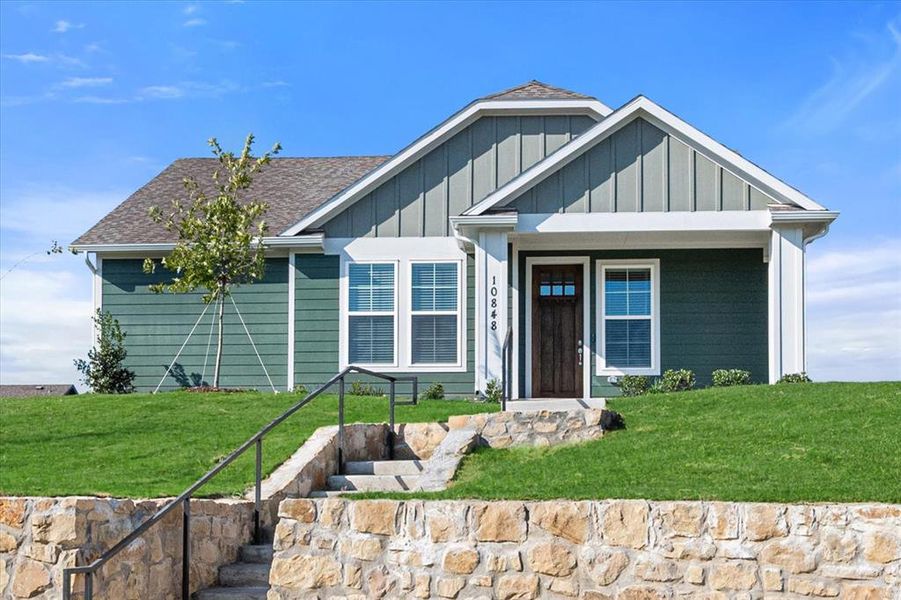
668 122
536 90
291 187
519 105
46 389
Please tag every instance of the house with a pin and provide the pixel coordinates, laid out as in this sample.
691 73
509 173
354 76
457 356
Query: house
37 390
609 242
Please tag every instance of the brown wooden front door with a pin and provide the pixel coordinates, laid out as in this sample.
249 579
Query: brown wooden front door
557 296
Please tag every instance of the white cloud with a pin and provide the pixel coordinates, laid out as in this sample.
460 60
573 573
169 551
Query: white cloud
854 312
44 324
196 22
854 79
27 58
56 212
163 92
100 100
190 9
188 89
79 82
62 26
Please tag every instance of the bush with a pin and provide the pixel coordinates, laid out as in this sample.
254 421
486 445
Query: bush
434 392
358 388
634 385
729 377
677 380
494 391
795 378
300 389
103 371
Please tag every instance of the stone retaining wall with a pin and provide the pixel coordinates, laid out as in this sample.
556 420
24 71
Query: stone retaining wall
39 537
623 549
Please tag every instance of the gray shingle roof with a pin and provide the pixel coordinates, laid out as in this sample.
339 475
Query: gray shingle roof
291 187
536 90
46 389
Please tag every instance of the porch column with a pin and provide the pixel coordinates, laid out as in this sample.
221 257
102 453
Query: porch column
787 353
491 304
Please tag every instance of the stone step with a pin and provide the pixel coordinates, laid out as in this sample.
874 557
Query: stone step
232 593
244 574
256 553
383 467
373 483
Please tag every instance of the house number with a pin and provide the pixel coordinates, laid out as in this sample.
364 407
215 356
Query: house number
493 292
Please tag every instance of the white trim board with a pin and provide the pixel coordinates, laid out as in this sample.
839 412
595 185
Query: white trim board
587 362
601 364
292 307
431 140
642 107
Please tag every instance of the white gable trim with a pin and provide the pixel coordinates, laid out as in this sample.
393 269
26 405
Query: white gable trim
436 137
644 108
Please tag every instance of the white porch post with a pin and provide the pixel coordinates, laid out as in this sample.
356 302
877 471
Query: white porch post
787 353
491 304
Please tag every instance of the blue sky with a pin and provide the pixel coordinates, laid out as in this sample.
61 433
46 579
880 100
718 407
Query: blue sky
95 99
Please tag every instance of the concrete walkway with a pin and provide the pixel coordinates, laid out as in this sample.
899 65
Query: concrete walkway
555 404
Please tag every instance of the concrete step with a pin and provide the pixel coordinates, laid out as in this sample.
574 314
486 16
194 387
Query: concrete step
373 483
383 467
328 493
244 574
256 553
232 593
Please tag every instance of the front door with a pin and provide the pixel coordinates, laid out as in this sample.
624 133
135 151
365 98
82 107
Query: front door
557 296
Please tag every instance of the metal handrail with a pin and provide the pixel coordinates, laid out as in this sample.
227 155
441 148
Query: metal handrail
506 367
257 440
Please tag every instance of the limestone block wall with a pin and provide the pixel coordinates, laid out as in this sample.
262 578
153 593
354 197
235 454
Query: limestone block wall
39 537
593 550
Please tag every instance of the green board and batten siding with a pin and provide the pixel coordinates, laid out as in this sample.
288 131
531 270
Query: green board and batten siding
640 168
316 327
457 174
713 311
156 326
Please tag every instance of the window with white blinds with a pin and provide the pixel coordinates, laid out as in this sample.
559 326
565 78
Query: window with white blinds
434 313
371 313
628 314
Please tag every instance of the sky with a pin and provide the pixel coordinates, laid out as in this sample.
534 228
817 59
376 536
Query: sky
97 98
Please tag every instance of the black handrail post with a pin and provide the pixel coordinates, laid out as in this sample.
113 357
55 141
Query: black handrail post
258 495
186 550
341 426
415 390
67 584
88 586
392 388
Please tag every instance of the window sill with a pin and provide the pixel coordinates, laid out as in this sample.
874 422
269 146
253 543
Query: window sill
605 372
413 369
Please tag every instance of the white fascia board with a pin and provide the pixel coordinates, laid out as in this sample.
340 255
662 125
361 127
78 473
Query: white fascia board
668 122
311 241
433 139
485 221
751 220
814 216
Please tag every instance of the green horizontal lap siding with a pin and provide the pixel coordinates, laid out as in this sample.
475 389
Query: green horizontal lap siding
639 168
317 329
713 311
156 325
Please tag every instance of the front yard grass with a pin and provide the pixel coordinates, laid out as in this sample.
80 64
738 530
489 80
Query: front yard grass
144 445
785 443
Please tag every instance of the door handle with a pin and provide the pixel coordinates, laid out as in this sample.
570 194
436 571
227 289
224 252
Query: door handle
579 351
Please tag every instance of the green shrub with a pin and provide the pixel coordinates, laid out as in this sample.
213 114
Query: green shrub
103 371
494 391
677 380
657 388
300 389
358 388
795 378
634 385
729 377
434 392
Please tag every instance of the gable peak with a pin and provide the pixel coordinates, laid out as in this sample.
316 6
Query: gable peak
536 90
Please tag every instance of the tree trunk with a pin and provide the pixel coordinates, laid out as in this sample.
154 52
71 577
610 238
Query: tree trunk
221 298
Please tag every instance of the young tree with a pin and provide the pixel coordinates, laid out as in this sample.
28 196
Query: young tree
103 371
219 233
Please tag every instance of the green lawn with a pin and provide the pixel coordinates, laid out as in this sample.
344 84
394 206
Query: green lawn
143 445
802 442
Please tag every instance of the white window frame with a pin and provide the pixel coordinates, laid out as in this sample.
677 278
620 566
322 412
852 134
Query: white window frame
346 314
459 363
602 267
